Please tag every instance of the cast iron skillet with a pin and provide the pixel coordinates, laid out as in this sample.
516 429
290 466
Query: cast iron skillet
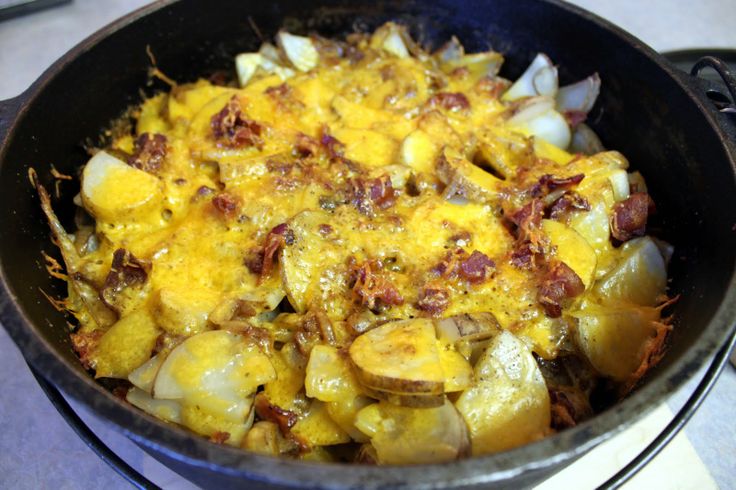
657 117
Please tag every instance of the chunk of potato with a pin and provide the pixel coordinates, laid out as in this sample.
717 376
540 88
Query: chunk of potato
144 376
465 179
399 357
509 404
203 421
640 277
402 435
344 412
115 191
572 249
329 377
316 428
418 151
458 371
613 337
125 346
168 410
216 370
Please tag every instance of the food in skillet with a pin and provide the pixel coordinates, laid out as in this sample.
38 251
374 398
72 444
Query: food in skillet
366 252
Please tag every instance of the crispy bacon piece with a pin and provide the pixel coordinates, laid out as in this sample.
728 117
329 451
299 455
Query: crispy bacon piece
524 256
370 288
574 118
629 218
254 260
451 101
149 153
433 300
125 271
233 129
306 145
558 284
226 204
548 183
368 194
84 345
334 147
568 202
219 437
569 406
474 268
265 410
477 268
315 328
492 87
279 236
528 220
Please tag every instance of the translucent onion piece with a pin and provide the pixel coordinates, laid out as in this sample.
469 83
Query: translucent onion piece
524 86
545 81
299 50
585 141
579 96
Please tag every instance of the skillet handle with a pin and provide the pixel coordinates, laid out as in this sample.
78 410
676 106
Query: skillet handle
724 72
8 110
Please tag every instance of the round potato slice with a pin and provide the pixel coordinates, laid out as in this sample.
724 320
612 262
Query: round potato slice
115 191
402 435
400 358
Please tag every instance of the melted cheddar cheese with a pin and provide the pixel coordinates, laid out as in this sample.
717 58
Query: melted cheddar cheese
363 246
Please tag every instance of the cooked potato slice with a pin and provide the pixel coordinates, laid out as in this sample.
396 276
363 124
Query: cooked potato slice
308 260
465 179
144 376
572 249
316 428
115 191
640 276
168 410
414 400
126 346
418 151
509 404
468 326
217 370
344 413
458 371
402 435
286 391
203 420
299 50
329 376
399 357
613 337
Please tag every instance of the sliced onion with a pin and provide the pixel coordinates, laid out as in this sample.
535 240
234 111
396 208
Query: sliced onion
620 183
545 81
579 96
299 50
394 44
551 127
246 65
530 108
269 51
585 141
524 86
452 50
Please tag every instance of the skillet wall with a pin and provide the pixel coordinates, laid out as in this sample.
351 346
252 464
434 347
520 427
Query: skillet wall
640 112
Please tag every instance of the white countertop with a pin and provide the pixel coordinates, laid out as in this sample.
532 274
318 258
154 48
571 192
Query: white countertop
38 450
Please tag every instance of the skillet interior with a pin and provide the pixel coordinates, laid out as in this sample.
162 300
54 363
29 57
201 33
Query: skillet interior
643 111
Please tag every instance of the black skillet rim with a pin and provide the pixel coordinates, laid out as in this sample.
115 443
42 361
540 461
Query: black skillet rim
181 445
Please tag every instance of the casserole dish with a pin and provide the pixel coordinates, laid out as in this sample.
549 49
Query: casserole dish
655 117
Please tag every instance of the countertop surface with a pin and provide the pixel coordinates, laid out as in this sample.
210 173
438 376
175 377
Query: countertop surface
37 448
